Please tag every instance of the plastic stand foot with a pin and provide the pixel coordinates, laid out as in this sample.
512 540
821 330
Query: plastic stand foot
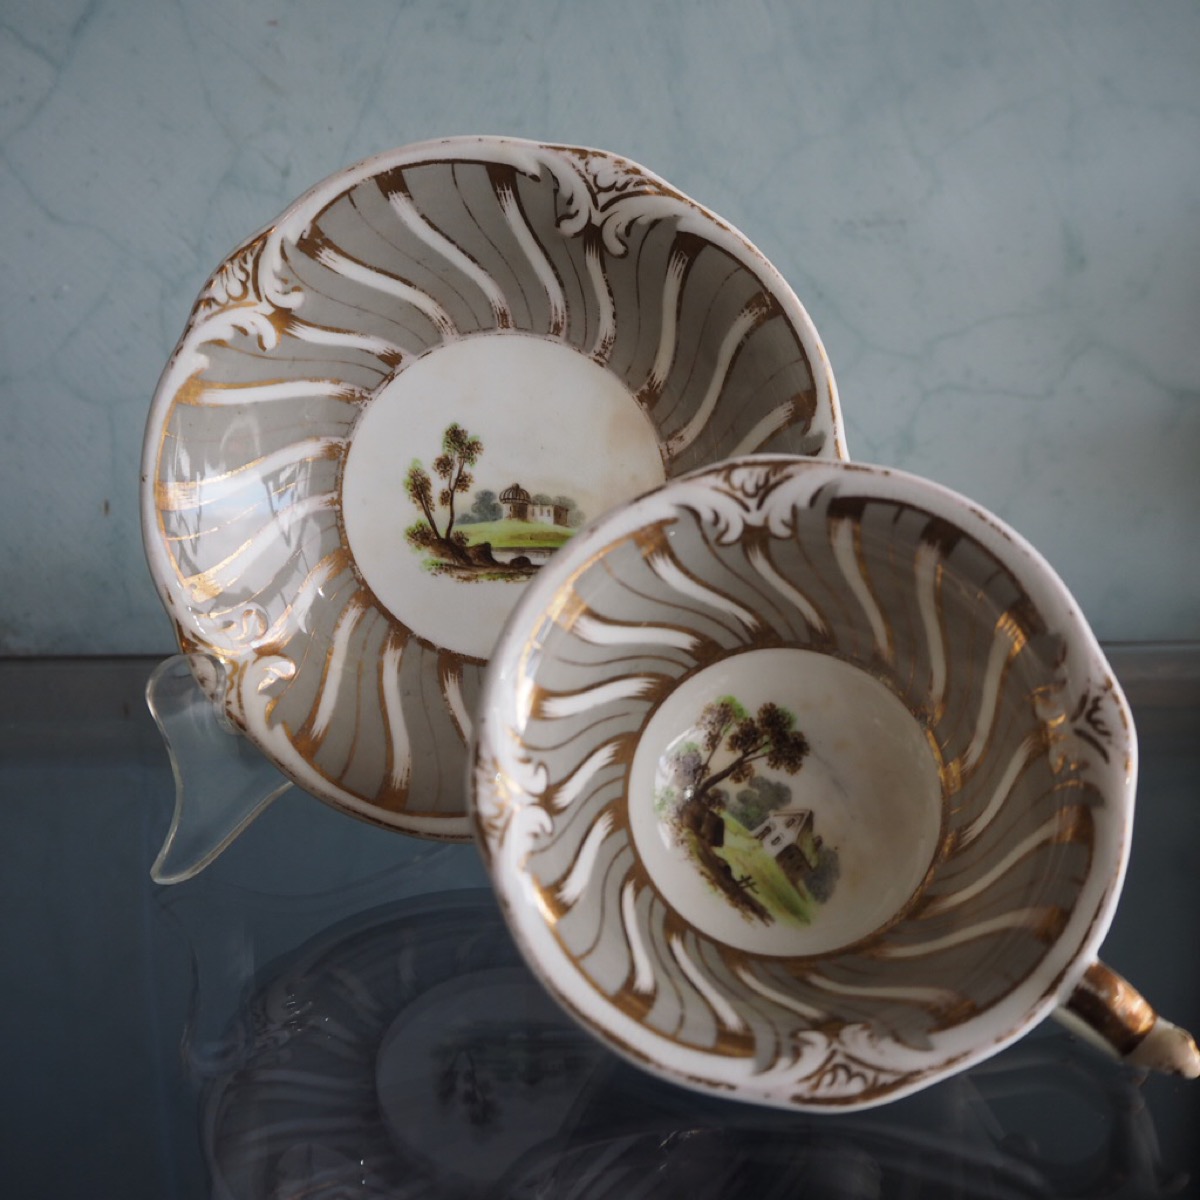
222 781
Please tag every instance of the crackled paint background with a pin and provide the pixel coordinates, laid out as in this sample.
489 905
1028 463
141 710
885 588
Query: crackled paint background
991 211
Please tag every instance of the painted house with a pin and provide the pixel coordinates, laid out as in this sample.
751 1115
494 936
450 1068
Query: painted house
787 835
551 514
519 505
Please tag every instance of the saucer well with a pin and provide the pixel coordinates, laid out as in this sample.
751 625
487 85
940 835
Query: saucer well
389 409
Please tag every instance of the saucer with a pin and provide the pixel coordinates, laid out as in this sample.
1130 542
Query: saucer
394 404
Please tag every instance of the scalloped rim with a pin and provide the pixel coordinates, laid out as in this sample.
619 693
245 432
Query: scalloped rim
452 826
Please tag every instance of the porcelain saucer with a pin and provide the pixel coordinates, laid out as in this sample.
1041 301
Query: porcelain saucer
391 406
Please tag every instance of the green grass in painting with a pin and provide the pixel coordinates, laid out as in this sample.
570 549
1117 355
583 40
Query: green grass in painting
507 534
773 889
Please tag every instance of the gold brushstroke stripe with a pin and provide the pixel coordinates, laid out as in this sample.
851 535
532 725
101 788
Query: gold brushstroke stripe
1068 825
450 680
684 582
1039 920
1009 640
684 252
847 515
313 731
549 705
322 249
757 311
212 394
390 355
393 791
504 184
210 583
394 187
606 321
186 494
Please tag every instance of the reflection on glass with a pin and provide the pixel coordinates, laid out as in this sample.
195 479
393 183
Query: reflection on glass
410 1053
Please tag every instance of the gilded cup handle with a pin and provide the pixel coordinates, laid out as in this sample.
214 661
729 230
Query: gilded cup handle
1110 1012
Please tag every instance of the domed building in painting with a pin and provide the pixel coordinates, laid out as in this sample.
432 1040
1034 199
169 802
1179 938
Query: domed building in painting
519 505
516 502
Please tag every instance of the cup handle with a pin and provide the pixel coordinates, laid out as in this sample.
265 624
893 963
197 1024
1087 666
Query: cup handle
1110 1012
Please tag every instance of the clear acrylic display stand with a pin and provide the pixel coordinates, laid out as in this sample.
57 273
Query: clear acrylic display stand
222 781
313 866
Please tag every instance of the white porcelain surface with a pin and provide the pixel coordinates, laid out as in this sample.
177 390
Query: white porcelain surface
804 782
393 405
530 416
869 782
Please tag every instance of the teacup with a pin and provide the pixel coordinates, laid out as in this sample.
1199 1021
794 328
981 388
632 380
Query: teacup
807 783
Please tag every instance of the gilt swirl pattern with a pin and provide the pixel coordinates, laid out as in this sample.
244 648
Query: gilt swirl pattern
302 326
1034 749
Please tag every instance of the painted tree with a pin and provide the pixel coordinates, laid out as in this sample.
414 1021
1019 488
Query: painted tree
451 468
758 800
730 748
733 744
484 507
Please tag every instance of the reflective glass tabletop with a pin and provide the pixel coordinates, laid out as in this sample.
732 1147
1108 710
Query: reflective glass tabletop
333 1010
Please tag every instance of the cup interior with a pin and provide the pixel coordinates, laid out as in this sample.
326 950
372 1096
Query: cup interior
820 749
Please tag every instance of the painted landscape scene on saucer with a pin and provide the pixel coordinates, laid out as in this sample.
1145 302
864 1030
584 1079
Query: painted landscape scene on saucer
493 536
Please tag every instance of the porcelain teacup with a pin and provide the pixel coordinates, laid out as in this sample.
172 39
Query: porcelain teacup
808 783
